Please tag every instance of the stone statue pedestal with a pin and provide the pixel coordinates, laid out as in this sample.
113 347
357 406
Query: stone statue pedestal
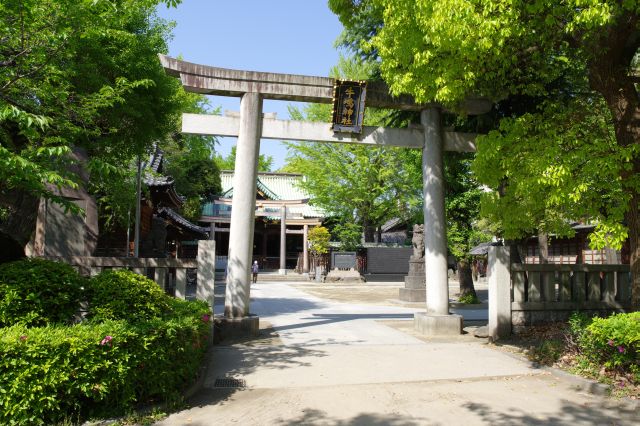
415 286
348 276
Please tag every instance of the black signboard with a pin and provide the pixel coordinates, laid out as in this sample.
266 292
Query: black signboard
348 106
343 259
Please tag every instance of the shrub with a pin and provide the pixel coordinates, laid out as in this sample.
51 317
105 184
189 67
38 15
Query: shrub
469 299
37 292
54 373
124 295
612 342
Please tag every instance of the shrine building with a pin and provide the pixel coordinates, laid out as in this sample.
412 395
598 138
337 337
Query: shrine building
278 244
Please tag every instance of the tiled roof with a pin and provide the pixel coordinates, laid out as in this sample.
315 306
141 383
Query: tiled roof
178 220
155 159
275 186
151 180
151 170
391 223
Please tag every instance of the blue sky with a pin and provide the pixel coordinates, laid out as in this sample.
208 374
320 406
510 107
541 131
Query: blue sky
285 36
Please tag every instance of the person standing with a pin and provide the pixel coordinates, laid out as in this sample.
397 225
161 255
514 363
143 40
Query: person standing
254 271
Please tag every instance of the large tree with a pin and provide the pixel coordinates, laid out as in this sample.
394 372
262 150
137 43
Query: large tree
447 50
76 73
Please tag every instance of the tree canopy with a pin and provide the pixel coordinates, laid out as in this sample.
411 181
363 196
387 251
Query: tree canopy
190 161
570 59
81 73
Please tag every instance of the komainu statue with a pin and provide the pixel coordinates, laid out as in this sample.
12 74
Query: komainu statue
418 243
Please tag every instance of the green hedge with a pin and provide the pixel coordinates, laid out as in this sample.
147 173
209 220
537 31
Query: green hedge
125 295
38 292
139 345
54 373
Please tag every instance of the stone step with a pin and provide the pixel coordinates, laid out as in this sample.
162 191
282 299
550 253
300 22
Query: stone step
269 277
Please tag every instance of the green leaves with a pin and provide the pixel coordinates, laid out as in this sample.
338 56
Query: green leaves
552 167
349 235
79 73
115 295
37 292
139 346
612 343
56 373
265 162
462 199
319 240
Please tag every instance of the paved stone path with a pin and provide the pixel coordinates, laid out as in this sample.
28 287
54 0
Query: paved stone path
330 363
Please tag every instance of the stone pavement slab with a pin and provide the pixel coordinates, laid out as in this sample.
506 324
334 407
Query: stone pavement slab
330 363
527 400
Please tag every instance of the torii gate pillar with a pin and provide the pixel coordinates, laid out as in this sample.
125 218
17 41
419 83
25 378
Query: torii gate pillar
437 319
253 87
244 203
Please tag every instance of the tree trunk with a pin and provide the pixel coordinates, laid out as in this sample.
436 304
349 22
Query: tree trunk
543 247
465 279
369 231
626 121
608 75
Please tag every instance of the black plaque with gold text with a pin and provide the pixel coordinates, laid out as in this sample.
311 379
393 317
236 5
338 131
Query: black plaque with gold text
348 106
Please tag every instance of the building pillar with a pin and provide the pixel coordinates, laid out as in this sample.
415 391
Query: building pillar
283 241
212 231
305 249
435 233
243 207
265 240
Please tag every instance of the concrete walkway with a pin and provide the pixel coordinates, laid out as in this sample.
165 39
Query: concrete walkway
329 363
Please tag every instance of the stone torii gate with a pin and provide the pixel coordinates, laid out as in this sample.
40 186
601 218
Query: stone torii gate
252 87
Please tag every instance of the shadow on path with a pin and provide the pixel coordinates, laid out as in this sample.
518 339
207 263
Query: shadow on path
322 319
311 417
569 414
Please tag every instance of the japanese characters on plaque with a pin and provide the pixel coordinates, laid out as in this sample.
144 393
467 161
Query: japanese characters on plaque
348 106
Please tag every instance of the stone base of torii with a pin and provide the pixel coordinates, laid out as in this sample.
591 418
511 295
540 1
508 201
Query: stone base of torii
250 127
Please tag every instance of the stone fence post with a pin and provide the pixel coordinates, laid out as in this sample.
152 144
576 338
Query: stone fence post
499 293
206 271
